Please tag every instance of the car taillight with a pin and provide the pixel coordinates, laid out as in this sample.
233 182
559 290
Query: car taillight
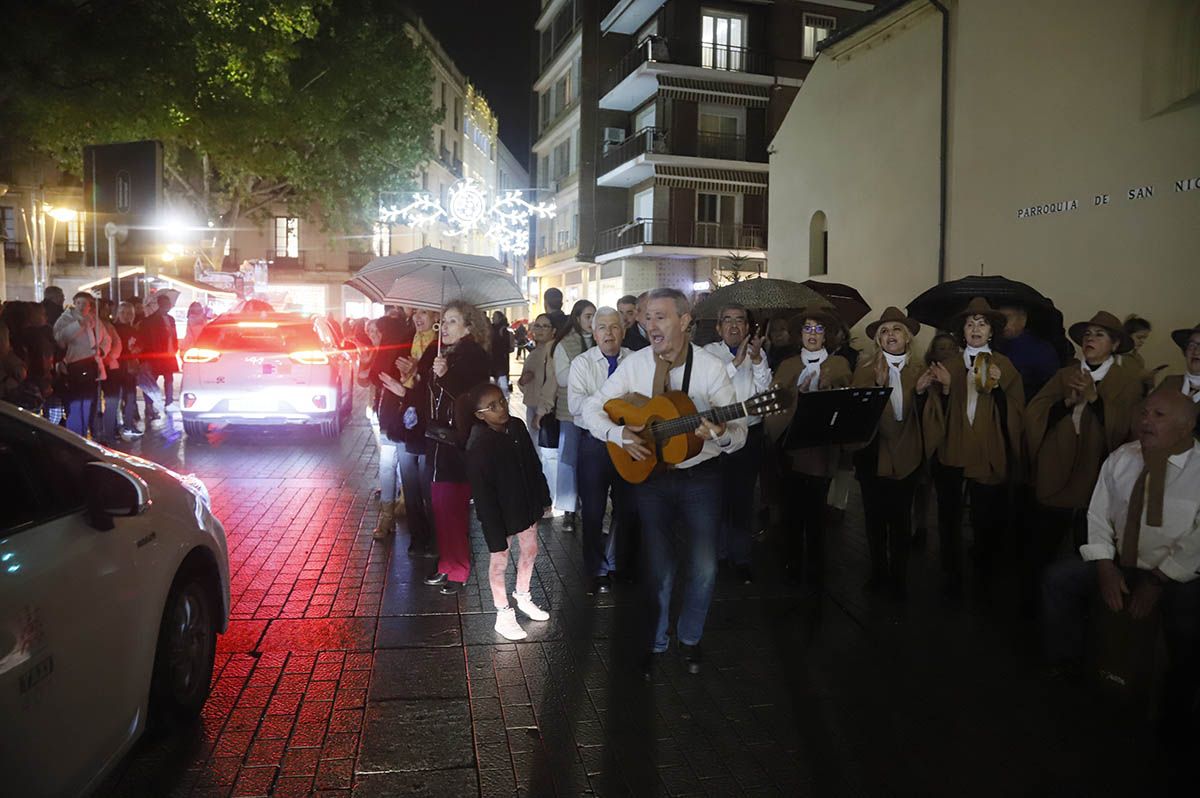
196 355
310 357
189 399
319 402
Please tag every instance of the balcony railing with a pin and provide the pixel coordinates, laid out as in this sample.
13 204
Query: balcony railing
648 139
665 232
725 57
556 116
727 146
734 59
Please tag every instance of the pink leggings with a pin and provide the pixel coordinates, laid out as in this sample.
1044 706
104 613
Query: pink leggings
452 522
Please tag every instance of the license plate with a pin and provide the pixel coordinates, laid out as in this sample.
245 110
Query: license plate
253 405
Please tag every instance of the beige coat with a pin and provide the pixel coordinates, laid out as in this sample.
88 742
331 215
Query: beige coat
1066 464
817 461
901 450
980 449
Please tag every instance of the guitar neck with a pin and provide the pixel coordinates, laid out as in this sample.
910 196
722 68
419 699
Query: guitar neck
686 424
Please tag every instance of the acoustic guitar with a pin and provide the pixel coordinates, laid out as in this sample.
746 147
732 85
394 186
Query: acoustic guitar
670 421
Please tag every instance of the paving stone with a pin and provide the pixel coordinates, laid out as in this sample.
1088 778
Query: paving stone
419 631
417 735
418 673
454 782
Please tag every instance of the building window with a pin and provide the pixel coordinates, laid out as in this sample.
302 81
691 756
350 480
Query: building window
716 215
228 247
75 234
722 40
816 29
287 237
381 239
818 245
444 103
719 135
8 229
458 113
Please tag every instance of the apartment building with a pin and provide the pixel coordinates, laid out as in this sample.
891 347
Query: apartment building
654 119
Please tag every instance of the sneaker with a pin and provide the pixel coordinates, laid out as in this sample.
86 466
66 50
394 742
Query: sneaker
529 609
172 408
158 423
131 433
692 656
437 579
507 626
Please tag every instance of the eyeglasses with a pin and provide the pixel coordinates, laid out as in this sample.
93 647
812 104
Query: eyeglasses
494 406
1192 345
541 326
814 328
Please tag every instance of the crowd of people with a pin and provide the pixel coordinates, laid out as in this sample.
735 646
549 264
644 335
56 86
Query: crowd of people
84 364
1079 471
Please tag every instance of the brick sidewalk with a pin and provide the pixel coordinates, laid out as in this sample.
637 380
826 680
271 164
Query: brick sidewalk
343 672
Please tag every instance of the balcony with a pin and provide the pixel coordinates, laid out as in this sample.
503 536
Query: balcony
634 78
627 16
638 235
284 262
626 164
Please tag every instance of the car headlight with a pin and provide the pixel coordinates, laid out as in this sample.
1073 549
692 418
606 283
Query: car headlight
197 488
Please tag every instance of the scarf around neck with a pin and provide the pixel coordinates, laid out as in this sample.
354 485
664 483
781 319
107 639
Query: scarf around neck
1097 374
1148 493
1191 386
895 364
812 365
969 354
663 369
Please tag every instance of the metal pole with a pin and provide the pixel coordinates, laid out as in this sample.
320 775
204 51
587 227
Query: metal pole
114 233
35 246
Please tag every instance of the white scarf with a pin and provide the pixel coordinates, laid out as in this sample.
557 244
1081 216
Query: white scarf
1191 386
812 365
895 364
1097 375
972 392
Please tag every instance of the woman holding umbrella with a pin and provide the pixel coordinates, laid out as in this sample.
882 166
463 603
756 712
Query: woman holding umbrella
807 472
973 425
888 468
1081 415
444 377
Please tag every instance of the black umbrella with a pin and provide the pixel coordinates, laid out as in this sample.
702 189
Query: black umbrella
848 301
763 293
942 302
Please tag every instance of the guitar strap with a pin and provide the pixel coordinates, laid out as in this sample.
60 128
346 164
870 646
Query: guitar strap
687 370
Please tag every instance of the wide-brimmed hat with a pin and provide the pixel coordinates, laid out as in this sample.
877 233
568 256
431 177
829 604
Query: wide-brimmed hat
1110 323
1181 337
977 307
890 315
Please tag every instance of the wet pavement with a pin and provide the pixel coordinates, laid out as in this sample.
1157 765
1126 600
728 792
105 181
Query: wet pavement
342 673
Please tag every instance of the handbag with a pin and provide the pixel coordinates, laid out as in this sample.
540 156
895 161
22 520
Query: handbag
443 435
548 430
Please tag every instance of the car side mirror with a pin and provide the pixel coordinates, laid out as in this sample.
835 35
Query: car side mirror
113 491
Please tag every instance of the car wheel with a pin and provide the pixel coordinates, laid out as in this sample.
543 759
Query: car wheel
196 430
187 646
332 429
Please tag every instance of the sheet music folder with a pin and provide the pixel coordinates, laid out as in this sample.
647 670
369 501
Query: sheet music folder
841 416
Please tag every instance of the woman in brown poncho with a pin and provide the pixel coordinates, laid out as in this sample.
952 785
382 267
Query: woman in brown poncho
973 428
1083 413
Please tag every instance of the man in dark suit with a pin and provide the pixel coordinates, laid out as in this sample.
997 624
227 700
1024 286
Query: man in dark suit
635 334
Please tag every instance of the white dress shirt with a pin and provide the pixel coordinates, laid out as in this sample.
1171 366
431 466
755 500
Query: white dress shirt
748 379
588 372
1174 547
710 387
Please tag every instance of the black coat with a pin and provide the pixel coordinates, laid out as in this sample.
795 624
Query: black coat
634 340
440 400
507 483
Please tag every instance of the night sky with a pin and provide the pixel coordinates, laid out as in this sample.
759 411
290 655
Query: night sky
491 41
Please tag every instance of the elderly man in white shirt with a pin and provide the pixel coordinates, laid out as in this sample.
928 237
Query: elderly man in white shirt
687 497
742 354
1143 548
596 475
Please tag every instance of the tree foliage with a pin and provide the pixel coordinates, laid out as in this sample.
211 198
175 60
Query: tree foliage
313 103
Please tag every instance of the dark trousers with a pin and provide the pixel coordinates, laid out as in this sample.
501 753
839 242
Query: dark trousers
596 480
989 518
680 513
416 476
739 472
1069 593
887 505
804 513
1044 541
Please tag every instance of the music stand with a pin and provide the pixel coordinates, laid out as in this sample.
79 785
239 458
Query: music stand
842 416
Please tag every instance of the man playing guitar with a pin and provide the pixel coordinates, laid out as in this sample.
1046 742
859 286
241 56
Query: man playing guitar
690 492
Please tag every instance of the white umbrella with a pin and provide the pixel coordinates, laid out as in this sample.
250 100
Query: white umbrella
426 277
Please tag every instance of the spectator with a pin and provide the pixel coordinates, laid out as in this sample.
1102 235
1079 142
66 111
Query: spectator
12 370
553 300
535 381
53 300
443 380
196 320
521 337
1138 330
1143 549
501 348
127 369
391 346
635 334
571 340
510 496
1034 359
105 427
627 306
158 344
81 336
779 342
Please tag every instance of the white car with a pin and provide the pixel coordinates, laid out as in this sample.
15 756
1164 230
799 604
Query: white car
114 584
268 368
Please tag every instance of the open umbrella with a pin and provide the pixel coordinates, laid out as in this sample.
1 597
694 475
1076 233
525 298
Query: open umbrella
943 301
849 304
763 293
426 277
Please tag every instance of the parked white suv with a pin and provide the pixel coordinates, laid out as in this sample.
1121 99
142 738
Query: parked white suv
114 583
268 368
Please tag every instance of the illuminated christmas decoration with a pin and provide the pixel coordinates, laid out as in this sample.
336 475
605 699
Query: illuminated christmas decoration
505 219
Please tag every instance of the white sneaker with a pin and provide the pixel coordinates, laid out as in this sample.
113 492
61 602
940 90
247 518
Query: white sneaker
172 408
532 611
158 423
506 624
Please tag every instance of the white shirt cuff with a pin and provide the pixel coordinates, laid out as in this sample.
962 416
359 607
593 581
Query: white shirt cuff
617 435
1097 551
1175 571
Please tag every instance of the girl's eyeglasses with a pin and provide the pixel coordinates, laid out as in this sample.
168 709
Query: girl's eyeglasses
814 328
494 406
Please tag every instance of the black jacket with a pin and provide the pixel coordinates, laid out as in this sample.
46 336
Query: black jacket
634 340
507 483
441 398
